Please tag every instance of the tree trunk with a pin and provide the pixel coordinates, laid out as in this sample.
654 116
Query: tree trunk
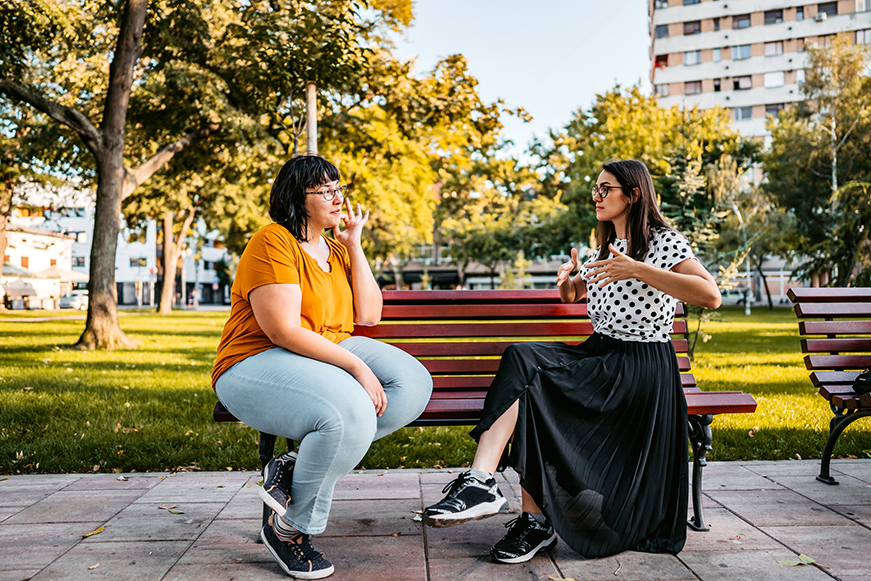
311 114
102 329
172 247
5 211
764 283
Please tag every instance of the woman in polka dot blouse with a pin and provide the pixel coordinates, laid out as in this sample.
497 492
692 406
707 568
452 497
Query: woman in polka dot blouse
599 429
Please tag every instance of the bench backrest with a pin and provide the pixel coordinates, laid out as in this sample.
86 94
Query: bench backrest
836 335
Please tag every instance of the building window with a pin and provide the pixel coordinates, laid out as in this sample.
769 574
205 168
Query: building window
52 261
799 13
694 27
863 36
741 52
799 76
661 90
717 85
741 21
774 79
81 237
742 113
829 8
661 63
774 48
862 5
660 4
692 57
5 259
774 17
138 262
774 109
717 55
79 261
742 83
25 262
661 31
716 24
692 87
690 2
825 41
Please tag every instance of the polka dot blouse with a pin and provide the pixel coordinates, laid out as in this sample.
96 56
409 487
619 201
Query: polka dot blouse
631 310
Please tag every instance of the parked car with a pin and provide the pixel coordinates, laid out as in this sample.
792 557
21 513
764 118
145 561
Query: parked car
77 299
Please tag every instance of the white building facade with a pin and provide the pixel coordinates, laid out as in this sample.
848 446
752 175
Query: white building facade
745 55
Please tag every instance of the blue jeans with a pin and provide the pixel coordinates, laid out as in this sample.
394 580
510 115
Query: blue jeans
291 396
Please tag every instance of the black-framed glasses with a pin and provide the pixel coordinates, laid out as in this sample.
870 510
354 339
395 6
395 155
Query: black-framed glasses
330 194
603 190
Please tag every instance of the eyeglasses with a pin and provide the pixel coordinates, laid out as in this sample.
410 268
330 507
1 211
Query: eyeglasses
330 194
603 190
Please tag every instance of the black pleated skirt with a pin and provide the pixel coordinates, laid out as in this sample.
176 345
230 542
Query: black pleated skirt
600 441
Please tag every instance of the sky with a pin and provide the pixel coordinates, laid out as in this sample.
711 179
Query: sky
550 57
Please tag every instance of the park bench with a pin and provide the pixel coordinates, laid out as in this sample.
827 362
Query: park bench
460 335
837 340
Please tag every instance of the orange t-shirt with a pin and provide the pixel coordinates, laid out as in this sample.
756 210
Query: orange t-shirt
273 256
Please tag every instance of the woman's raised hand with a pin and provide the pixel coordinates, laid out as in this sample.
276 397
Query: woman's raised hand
354 222
565 271
621 267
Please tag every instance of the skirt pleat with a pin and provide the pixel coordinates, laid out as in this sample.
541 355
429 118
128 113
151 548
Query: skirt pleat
600 441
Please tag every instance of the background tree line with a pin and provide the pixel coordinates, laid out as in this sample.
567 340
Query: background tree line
179 111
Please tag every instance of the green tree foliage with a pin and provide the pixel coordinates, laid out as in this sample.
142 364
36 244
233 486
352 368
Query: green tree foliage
818 164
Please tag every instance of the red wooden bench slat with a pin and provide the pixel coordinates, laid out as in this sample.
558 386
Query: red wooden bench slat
820 378
479 366
429 312
830 295
847 402
461 382
828 391
478 348
838 345
833 310
834 327
837 361
385 330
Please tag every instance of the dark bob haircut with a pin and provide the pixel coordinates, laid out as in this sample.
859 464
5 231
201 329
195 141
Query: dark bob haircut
287 200
644 215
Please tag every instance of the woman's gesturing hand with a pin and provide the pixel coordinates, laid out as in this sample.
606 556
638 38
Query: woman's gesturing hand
565 271
354 222
621 267
373 387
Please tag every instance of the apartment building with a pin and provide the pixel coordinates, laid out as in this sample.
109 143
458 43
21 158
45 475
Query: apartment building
745 55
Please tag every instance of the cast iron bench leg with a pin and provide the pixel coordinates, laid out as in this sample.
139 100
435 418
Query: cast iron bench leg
700 438
838 424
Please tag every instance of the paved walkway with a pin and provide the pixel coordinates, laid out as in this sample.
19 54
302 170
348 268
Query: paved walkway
760 512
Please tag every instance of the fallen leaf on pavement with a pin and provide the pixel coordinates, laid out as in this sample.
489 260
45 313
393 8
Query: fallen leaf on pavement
92 533
176 511
93 567
168 506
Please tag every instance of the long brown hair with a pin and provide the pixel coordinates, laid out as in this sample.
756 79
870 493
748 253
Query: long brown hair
644 215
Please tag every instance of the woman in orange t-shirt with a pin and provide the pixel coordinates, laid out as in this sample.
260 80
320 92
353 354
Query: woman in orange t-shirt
287 364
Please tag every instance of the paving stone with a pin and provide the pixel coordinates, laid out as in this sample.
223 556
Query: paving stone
844 550
146 522
857 512
484 569
245 504
22 496
441 477
6 512
75 506
860 469
261 571
211 487
749 565
728 532
128 561
36 545
784 468
471 539
778 508
387 559
17 574
626 566
228 542
849 491
56 481
729 476
111 482
373 518
392 485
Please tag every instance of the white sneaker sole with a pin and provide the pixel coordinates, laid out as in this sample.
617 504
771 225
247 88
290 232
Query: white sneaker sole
271 502
477 512
545 544
297 574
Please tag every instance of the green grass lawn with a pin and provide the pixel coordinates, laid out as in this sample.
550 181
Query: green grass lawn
63 410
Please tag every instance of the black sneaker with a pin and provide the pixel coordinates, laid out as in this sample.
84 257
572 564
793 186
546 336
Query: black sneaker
525 537
297 557
277 476
467 499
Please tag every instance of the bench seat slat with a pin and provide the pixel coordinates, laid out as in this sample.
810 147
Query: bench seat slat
435 312
386 330
830 295
838 345
478 366
820 378
478 348
837 362
834 327
833 310
829 391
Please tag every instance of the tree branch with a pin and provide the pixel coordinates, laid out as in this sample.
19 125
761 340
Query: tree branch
75 120
134 178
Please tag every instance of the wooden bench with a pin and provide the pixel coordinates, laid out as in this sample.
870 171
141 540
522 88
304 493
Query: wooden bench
460 335
838 345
